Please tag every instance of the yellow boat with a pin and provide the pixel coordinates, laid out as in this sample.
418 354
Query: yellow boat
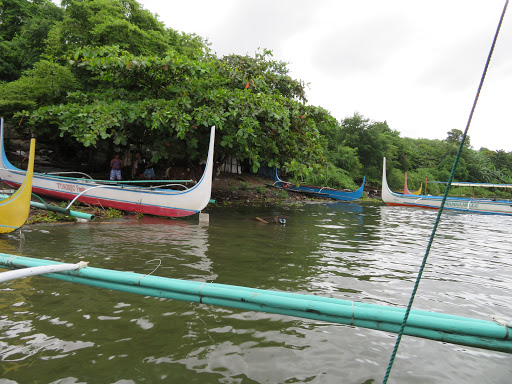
406 190
15 209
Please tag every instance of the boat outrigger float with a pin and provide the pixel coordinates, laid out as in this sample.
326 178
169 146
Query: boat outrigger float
493 335
148 200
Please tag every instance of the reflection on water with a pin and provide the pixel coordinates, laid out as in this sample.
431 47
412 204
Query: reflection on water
67 333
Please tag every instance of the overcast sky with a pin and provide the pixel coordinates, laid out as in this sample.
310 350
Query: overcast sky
414 64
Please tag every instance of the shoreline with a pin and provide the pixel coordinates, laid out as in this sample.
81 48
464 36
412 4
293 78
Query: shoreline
228 190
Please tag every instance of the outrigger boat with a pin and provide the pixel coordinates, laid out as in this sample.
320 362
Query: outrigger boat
320 191
148 200
464 204
14 209
408 192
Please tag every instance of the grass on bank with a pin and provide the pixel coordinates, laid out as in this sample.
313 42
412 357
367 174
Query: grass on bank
43 216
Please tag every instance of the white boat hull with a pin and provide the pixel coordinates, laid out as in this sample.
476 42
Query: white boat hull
489 206
153 201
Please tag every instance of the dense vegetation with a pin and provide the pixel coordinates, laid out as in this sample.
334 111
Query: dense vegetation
108 75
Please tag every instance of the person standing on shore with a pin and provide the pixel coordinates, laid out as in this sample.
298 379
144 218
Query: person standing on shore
149 173
116 164
137 166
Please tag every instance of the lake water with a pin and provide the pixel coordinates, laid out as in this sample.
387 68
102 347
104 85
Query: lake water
58 332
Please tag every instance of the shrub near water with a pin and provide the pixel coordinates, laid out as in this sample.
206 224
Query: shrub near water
49 217
332 177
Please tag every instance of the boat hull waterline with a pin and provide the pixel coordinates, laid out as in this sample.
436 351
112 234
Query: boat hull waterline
487 206
152 201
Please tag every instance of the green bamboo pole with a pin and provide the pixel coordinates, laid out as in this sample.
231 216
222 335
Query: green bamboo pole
54 208
242 293
221 290
454 329
467 340
299 302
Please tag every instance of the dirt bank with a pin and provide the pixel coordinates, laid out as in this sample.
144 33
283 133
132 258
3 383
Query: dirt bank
248 189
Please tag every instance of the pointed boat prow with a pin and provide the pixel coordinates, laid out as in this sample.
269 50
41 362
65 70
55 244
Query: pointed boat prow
15 209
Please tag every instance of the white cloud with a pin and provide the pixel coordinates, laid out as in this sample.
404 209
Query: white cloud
357 50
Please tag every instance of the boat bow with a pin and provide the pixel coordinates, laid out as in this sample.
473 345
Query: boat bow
15 209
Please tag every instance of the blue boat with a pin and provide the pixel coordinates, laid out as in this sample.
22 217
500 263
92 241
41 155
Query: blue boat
320 191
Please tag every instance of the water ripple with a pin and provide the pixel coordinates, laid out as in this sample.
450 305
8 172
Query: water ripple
67 333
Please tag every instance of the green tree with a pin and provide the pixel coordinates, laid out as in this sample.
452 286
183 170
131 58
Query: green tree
25 25
339 154
501 161
425 153
263 74
481 169
373 141
13 14
168 104
190 45
107 22
45 84
455 136
445 168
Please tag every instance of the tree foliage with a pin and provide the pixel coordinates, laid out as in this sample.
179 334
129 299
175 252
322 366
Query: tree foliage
455 137
168 104
24 29
106 22
45 84
358 146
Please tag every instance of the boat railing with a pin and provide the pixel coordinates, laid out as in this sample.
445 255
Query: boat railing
67 173
114 182
169 185
118 186
84 191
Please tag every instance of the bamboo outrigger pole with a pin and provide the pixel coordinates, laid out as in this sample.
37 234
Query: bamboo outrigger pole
493 335
54 208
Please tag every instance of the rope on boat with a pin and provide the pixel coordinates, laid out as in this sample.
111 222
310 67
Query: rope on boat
438 218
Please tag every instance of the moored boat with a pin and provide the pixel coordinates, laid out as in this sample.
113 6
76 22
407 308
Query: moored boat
147 200
320 191
407 191
489 206
14 209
